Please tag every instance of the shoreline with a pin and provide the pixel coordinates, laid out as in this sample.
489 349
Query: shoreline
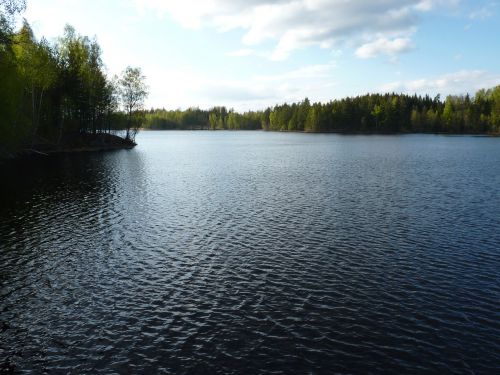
84 143
70 144
341 132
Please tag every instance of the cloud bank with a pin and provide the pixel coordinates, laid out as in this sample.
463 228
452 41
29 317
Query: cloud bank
256 92
382 27
455 83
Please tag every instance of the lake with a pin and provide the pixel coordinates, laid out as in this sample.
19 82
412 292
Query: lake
254 252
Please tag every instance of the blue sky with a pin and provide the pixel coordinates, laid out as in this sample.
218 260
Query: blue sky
249 54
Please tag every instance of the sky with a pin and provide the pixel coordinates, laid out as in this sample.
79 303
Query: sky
251 54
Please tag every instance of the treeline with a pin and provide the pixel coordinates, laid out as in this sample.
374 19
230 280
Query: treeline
373 113
217 118
49 90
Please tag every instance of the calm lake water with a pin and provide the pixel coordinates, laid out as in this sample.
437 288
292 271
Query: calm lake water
253 252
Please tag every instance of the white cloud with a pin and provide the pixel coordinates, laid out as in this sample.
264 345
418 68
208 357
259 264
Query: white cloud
483 13
316 71
384 46
254 92
461 82
426 5
296 24
241 52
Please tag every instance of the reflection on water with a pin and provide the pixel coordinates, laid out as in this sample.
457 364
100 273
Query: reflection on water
231 252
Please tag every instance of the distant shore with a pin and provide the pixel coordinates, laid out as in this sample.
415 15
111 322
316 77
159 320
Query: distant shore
342 132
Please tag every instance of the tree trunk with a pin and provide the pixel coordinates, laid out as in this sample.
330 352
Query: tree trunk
39 111
33 115
129 122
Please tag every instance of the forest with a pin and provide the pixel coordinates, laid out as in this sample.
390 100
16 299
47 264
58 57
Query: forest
55 93
371 113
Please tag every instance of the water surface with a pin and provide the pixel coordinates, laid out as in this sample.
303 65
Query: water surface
254 252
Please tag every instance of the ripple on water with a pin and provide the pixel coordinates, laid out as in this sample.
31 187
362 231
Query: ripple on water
221 252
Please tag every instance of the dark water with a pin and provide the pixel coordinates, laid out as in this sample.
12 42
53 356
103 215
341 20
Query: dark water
239 252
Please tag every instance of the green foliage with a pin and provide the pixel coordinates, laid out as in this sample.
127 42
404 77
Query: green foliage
11 7
36 68
495 109
216 118
49 90
13 126
133 91
373 113
389 113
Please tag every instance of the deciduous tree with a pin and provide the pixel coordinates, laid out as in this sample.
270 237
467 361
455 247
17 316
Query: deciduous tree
133 92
